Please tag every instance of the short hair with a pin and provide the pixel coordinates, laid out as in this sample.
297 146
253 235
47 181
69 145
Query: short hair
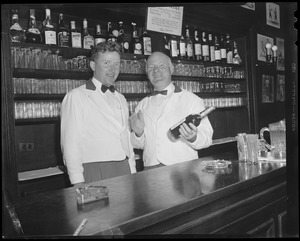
105 47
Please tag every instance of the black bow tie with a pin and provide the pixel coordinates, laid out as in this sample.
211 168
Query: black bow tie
162 92
104 88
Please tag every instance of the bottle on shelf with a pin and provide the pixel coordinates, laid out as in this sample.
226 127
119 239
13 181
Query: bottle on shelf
173 43
236 57
145 38
136 44
197 47
217 50
16 32
99 37
174 133
75 36
166 46
110 37
48 30
228 50
33 34
205 47
223 49
211 48
189 44
182 47
87 39
63 35
120 39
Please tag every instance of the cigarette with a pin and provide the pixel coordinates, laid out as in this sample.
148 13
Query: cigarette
80 227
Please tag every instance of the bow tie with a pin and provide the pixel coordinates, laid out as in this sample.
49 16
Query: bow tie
104 88
162 92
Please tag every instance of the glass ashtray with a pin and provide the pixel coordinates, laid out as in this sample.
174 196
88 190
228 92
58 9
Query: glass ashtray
216 164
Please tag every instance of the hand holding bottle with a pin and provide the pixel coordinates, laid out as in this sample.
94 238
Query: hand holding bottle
137 123
188 132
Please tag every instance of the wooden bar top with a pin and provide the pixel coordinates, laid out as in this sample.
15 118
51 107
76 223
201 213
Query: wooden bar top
141 199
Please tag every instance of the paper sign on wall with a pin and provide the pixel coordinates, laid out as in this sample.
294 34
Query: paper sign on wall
166 20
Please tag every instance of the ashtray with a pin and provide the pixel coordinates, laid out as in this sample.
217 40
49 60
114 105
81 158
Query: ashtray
216 164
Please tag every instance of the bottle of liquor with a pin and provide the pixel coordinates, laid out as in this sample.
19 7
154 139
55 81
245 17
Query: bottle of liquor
87 39
236 57
217 50
197 47
166 46
189 44
173 47
75 36
228 50
48 31
211 48
63 35
136 44
182 47
110 37
16 32
99 37
33 34
205 48
223 49
174 133
145 38
120 39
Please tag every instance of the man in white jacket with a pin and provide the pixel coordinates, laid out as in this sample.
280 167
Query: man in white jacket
163 108
95 134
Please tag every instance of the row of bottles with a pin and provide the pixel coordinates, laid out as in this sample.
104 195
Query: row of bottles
202 47
63 37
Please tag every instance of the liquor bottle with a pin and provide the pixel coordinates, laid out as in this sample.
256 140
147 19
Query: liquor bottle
174 133
211 48
135 44
228 50
63 35
48 30
120 39
189 44
197 47
16 32
236 57
110 37
217 50
87 39
223 49
205 47
33 34
166 46
99 37
182 47
75 36
173 47
145 38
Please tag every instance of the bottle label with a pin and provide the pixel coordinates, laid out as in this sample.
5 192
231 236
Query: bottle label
212 53
223 53
126 45
189 50
198 49
147 46
229 57
217 55
205 51
88 41
76 40
63 39
182 49
50 37
138 48
99 40
174 52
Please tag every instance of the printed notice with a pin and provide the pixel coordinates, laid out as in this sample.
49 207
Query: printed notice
166 20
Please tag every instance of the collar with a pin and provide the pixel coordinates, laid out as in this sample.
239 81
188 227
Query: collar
170 88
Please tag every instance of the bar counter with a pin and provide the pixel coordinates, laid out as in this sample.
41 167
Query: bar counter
185 198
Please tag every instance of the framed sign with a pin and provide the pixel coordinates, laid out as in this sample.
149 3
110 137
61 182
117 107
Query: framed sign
273 15
166 20
280 87
267 89
249 5
261 46
280 54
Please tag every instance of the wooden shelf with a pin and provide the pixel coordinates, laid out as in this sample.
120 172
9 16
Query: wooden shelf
33 121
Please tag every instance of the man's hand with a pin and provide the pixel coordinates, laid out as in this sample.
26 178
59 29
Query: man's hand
137 123
188 132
